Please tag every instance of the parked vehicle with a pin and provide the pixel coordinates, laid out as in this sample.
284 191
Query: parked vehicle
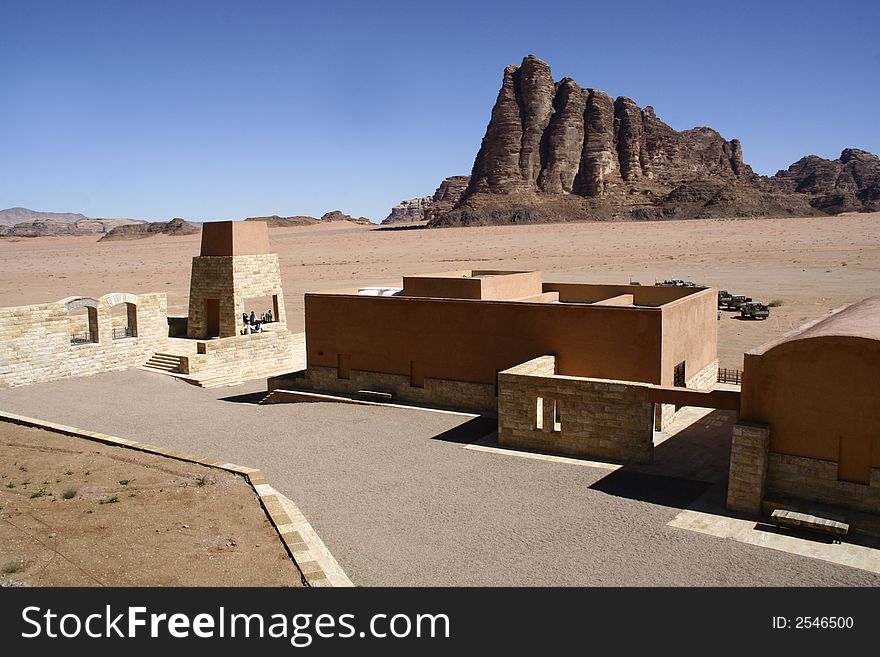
736 301
754 310
723 298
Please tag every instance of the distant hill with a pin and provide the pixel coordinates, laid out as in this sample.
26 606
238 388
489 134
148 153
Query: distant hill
22 222
176 226
275 221
12 216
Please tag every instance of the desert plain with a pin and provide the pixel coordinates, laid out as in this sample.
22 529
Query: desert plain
331 459
807 266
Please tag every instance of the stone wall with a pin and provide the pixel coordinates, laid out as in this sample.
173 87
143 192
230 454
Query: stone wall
459 395
705 379
816 480
248 356
211 278
748 467
232 280
594 418
35 341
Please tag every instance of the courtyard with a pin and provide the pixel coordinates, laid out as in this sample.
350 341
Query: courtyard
414 497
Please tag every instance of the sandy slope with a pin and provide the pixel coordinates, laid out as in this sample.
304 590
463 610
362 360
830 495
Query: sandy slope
812 265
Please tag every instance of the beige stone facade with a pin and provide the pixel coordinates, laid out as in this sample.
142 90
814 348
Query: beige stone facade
246 357
817 480
44 342
227 281
460 395
593 418
748 467
705 379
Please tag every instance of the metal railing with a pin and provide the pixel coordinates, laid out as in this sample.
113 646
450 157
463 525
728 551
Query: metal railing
83 338
123 332
729 376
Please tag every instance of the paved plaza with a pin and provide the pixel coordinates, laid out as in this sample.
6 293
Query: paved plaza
407 496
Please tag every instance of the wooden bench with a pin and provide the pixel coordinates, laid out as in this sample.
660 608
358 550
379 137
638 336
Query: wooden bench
375 395
796 520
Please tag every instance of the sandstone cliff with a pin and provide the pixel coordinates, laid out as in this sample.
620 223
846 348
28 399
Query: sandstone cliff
274 221
554 151
338 215
408 212
176 226
445 197
22 222
850 183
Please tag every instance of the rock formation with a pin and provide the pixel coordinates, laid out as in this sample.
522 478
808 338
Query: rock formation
560 152
22 222
274 221
445 197
176 226
848 184
408 212
338 215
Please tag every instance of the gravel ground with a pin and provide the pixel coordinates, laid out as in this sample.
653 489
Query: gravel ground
398 506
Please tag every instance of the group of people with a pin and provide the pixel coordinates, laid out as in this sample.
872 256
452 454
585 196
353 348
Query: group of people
254 324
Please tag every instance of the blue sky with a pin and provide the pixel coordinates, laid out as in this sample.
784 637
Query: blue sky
222 110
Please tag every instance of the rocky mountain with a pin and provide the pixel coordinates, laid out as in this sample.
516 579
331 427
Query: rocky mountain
850 183
408 212
554 151
21 222
176 226
12 216
338 215
445 197
274 221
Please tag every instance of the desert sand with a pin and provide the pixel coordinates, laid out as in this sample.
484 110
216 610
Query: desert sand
811 265
60 495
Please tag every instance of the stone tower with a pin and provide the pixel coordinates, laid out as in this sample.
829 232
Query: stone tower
234 265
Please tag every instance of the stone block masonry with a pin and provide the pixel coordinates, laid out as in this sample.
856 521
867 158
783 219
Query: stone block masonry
748 467
705 379
246 357
817 480
36 343
458 395
230 280
593 418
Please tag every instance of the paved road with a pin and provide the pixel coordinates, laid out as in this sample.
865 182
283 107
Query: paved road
398 500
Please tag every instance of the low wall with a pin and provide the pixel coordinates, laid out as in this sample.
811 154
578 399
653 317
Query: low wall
816 480
705 379
35 341
247 356
458 395
595 418
756 472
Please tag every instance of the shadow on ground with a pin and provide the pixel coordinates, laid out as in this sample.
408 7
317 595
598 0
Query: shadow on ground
470 432
689 460
655 489
249 398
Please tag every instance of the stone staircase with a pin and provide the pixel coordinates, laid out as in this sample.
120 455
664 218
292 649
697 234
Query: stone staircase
164 362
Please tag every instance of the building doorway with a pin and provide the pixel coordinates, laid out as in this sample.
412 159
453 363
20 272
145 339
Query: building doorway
212 318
